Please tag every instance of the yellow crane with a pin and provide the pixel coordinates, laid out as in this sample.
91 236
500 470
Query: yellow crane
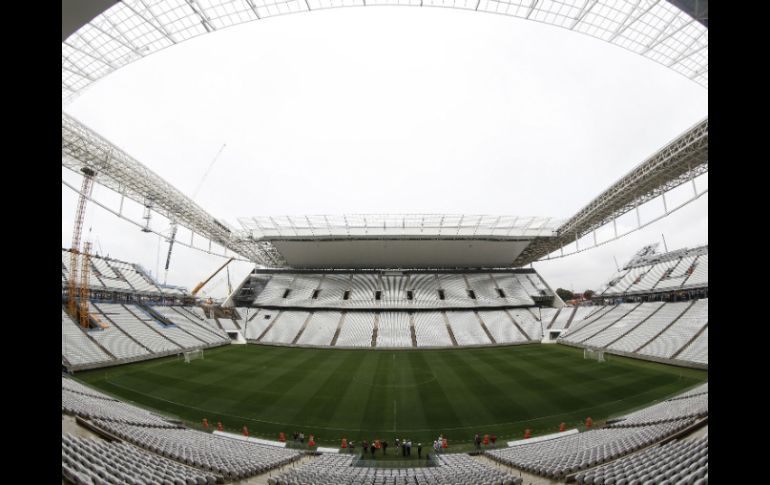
203 283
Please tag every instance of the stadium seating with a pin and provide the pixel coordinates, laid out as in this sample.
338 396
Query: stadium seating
234 459
668 343
205 333
285 327
652 326
76 347
528 323
118 343
320 329
328 290
591 326
430 330
145 330
672 410
698 350
356 330
680 461
339 470
79 400
394 330
92 461
114 275
624 325
501 327
547 315
559 457
467 329
657 272
669 331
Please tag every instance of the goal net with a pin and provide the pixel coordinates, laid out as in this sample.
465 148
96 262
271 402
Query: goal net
191 355
597 355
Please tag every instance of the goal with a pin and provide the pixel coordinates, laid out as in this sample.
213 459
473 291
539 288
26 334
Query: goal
191 355
597 355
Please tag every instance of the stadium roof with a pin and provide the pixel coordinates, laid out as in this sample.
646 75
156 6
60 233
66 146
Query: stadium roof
132 29
399 241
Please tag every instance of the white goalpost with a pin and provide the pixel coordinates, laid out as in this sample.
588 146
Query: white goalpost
191 355
597 355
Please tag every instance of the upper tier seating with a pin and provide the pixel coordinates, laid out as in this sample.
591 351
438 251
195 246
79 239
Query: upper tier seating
419 291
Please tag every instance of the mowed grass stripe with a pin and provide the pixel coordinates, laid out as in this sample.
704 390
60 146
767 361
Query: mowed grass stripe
352 393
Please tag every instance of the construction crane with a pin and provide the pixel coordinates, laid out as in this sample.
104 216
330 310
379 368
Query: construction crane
194 194
203 283
80 213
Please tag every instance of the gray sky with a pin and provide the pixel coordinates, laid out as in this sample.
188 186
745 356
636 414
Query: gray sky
390 110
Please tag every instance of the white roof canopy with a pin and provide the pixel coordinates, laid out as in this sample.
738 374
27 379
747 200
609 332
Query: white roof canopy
132 29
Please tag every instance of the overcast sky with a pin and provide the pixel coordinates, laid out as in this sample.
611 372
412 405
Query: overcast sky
389 110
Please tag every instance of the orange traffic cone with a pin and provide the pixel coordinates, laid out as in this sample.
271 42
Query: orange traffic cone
589 422
205 423
527 433
344 443
282 437
245 431
562 427
219 426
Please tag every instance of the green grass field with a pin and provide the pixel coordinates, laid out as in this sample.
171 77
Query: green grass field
415 394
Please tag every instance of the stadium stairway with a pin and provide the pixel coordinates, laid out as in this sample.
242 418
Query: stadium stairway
302 329
449 329
277 317
339 329
517 326
571 317
484 327
376 329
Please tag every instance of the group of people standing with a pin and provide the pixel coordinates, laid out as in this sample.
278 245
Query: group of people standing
487 439
299 437
405 446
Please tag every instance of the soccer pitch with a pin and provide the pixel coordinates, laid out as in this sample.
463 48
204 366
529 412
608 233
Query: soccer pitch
413 394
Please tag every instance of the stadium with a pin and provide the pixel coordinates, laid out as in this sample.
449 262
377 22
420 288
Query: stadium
373 347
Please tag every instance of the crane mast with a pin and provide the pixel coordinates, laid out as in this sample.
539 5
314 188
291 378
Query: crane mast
80 213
